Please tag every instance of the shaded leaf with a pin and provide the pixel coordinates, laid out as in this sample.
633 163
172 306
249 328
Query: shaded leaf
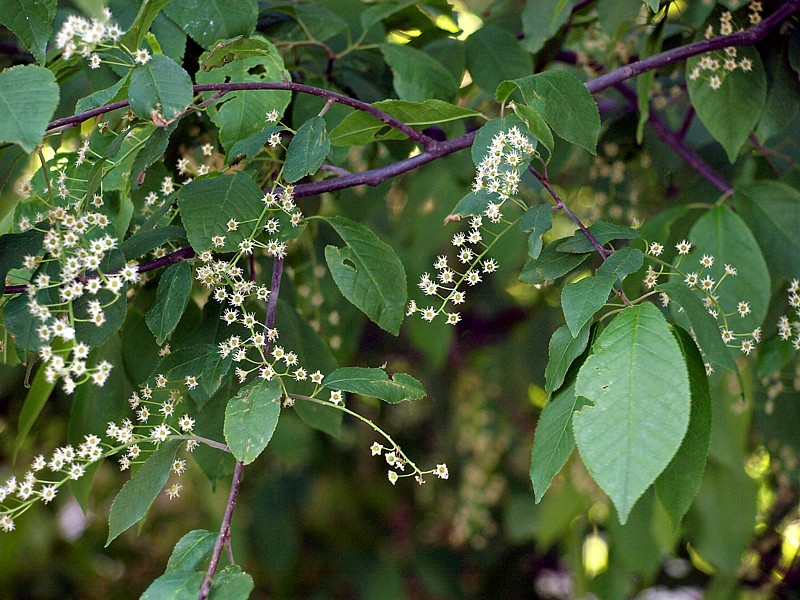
13 248
31 22
563 349
376 383
550 264
493 55
192 551
159 86
603 232
417 75
207 21
172 296
553 440
677 485
139 493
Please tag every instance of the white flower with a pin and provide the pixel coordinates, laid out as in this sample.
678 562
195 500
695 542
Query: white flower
142 56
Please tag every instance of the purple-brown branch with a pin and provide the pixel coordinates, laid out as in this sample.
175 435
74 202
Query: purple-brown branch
433 149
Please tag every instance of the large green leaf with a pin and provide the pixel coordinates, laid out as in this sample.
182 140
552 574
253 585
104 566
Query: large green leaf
731 111
493 55
563 101
369 273
582 298
542 19
139 493
417 75
31 22
307 150
174 288
207 21
208 204
251 417
563 349
362 128
242 114
143 242
376 383
722 234
159 87
230 583
148 11
24 116
550 264
553 440
772 210
238 48
191 551
175 585
638 386
677 485
705 326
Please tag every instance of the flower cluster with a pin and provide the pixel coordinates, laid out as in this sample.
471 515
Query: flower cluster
715 66
397 460
70 288
498 174
79 36
701 280
787 328
155 409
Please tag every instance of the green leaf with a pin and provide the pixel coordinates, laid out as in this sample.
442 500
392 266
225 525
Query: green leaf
493 55
731 111
307 150
772 211
207 21
550 264
653 4
483 140
152 150
207 205
644 82
705 327
638 385
537 221
113 93
360 128
722 234
582 298
241 114
139 493
417 75
251 417
143 242
553 440
192 551
376 383
148 11
231 583
678 484
536 125
24 117
174 288
563 101
369 273
31 22
201 360
603 232
250 146
564 348
622 263
474 203
32 406
176 585
13 248
542 19
319 22
240 48
160 86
